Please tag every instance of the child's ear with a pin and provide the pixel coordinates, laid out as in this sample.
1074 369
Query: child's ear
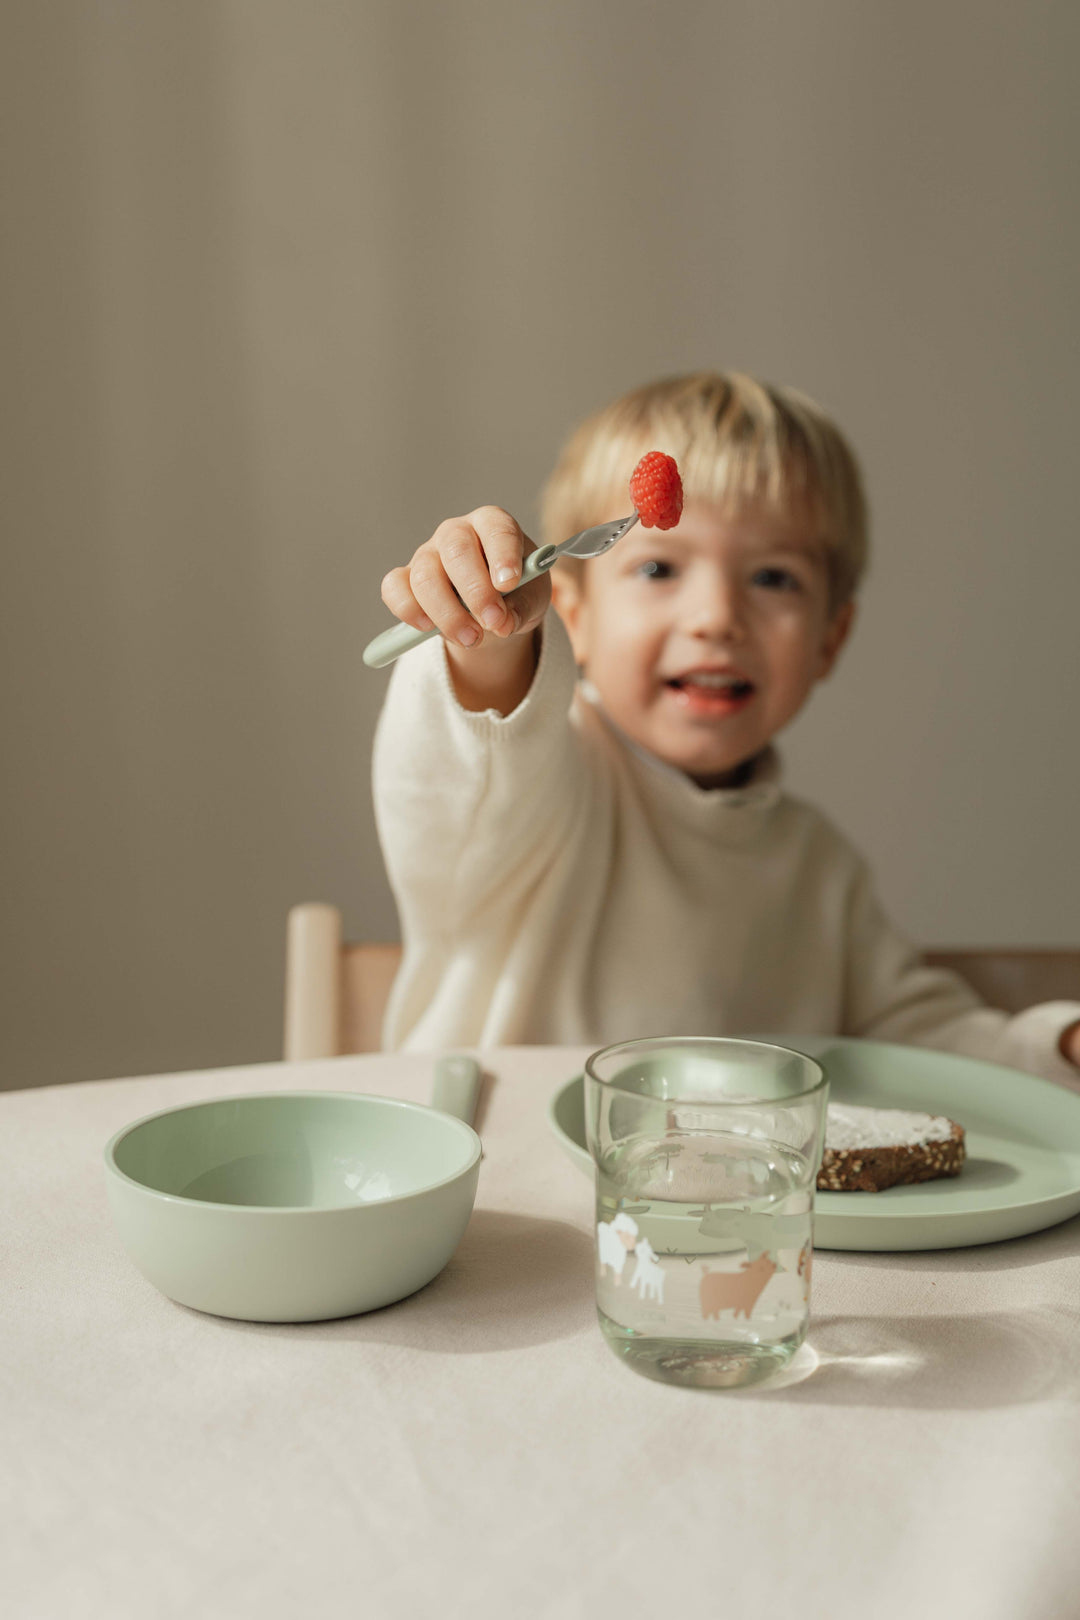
568 600
836 633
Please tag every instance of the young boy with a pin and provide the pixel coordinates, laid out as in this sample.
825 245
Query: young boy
582 812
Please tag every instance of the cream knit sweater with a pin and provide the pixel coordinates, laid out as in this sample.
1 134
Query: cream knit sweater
557 885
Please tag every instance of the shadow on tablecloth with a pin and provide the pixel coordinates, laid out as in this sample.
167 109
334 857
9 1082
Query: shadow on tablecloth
514 1280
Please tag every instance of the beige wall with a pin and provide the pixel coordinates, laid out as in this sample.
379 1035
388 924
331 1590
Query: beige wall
288 282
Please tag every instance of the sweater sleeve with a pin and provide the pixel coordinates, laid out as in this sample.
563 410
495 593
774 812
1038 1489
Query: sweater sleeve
469 805
891 994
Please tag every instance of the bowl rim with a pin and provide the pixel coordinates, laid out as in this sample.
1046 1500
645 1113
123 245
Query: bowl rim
113 1169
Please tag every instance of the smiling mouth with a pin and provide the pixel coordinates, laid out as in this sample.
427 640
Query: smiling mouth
709 697
718 687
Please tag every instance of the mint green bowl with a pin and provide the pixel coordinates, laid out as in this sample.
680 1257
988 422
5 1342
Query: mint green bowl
292 1206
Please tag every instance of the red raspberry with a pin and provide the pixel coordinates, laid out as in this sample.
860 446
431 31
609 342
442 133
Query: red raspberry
656 490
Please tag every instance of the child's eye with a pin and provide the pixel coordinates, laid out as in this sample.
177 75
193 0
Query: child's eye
777 579
655 570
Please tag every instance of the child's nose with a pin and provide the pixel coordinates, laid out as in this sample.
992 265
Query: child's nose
717 610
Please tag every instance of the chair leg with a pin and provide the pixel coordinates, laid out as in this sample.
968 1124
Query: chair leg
313 983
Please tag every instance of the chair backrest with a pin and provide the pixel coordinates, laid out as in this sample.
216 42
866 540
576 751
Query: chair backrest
336 993
368 971
1015 979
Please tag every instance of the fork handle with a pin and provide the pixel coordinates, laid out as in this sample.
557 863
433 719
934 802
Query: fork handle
390 644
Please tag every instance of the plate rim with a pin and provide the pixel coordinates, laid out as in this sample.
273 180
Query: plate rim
943 1229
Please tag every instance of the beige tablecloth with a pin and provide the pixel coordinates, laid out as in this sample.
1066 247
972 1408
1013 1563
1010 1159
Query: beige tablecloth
477 1450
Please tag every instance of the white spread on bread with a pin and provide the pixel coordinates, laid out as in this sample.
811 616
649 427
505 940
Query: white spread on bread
848 1127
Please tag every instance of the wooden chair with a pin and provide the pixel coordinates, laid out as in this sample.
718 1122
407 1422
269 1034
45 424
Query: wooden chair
1014 979
335 993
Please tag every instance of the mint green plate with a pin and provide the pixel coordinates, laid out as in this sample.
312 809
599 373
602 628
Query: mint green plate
1023 1143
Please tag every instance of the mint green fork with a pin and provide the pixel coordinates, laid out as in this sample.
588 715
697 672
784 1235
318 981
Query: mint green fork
589 543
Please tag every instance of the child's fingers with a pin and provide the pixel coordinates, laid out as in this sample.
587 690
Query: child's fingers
531 602
504 545
457 579
397 595
462 553
435 596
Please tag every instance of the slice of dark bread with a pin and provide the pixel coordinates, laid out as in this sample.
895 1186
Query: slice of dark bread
869 1149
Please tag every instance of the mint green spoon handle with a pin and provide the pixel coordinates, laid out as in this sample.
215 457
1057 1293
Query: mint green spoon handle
400 637
457 1086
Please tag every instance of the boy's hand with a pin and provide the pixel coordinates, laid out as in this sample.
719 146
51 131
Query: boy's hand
456 581
1069 1044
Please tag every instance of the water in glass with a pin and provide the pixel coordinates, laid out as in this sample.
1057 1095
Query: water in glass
703 1255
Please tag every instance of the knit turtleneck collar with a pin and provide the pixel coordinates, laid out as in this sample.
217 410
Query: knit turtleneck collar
761 791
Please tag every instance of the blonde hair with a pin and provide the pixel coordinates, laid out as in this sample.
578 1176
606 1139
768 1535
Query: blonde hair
734 439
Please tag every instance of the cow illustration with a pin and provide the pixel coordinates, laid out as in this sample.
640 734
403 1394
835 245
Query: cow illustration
736 1290
648 1276
806 1260
614 1241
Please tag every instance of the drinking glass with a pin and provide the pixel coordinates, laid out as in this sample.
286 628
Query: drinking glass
707 1151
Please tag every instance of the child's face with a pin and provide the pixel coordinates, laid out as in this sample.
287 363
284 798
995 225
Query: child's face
669 619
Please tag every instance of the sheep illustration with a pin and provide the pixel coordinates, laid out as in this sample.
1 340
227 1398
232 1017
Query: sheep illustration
614 1240
648 1276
